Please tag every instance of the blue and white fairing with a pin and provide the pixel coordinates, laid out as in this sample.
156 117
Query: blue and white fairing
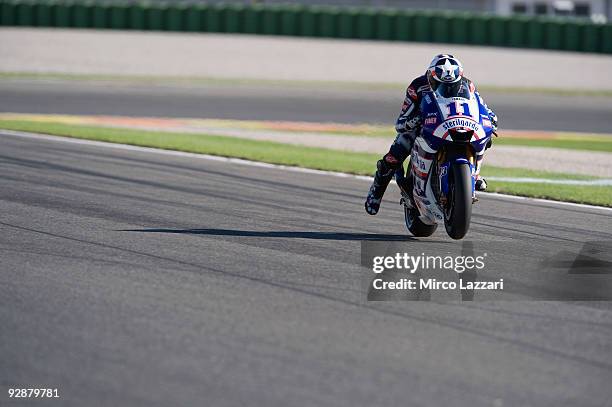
442 114
447 111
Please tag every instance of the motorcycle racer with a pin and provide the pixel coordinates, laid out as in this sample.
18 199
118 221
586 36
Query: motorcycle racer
444 68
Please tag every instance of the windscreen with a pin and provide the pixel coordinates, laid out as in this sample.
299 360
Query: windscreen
458 89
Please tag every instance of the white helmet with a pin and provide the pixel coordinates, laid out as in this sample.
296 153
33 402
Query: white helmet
444 68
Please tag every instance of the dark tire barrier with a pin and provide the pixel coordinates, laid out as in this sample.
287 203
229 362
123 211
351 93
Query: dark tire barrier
316 21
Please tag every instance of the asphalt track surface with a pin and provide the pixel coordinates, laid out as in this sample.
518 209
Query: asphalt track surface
269 102
139 278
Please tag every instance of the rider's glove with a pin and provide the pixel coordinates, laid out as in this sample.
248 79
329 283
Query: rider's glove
493 118
413 124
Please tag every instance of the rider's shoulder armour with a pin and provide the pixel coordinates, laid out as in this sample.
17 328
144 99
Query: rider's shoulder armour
417 87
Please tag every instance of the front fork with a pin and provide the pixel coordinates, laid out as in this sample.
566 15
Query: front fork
447 158
425 167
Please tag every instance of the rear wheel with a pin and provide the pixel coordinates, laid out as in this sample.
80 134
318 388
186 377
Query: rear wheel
414 224
458 211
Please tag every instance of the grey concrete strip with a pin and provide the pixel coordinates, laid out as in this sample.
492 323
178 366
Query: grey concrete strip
260 57
134 278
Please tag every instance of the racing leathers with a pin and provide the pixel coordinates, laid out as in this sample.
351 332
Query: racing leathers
408 126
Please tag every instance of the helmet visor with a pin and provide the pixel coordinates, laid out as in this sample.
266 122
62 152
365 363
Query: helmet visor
458 89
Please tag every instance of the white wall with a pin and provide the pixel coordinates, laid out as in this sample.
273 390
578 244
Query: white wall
113 52
505 6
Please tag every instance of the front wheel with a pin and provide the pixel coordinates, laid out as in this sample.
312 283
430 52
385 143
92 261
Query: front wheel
458 211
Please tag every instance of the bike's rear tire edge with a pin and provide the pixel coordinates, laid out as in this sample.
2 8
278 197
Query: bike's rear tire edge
414 224
458 221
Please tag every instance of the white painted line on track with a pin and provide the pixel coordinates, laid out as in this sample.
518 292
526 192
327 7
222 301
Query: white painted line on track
259 164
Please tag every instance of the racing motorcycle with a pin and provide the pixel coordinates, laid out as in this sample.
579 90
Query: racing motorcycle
439 184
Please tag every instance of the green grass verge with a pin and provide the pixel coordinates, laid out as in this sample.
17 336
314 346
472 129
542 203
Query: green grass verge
587 194
267 151
587 142
307 157
491 171
195 80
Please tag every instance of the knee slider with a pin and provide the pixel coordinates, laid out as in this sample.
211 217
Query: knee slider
387 165
391 161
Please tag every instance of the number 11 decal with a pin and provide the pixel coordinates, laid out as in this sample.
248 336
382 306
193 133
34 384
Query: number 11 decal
453 111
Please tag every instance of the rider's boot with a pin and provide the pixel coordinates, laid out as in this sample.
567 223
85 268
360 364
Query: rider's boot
385 169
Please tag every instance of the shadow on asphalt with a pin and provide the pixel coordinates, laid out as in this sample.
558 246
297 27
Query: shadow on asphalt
283 234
